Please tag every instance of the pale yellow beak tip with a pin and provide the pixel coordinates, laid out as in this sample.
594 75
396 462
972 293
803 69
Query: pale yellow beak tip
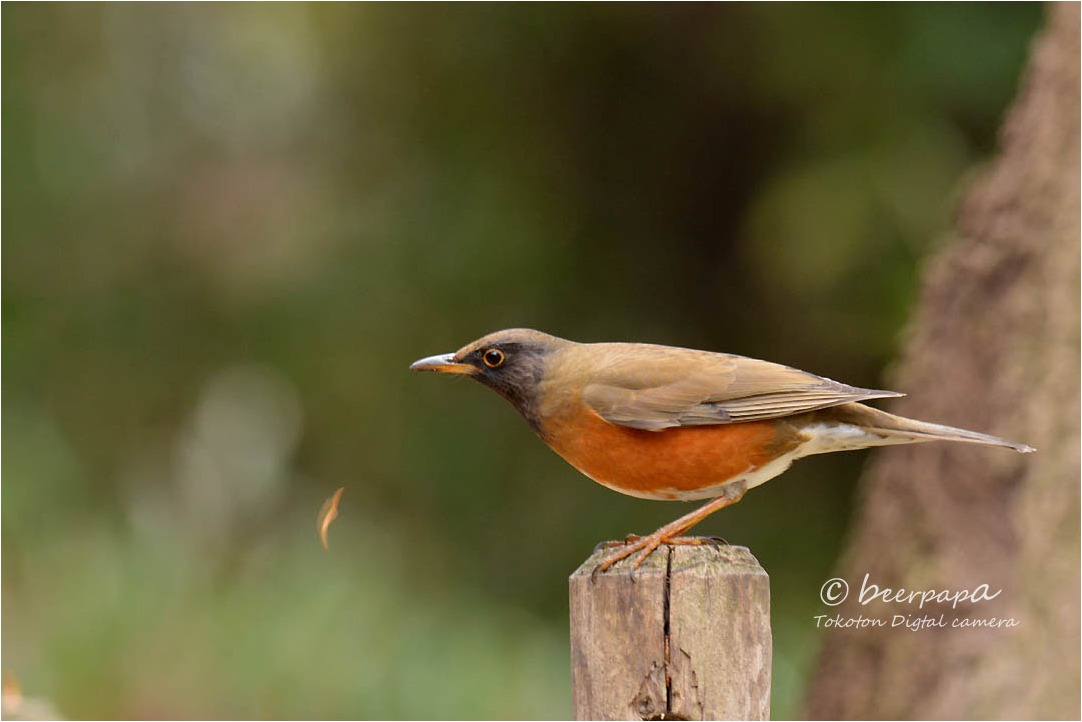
443 364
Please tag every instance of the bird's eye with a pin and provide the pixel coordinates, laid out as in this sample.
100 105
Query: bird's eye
493 358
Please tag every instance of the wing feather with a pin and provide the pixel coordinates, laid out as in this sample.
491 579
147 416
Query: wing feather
682 387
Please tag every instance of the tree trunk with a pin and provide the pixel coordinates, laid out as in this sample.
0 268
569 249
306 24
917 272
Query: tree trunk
994 347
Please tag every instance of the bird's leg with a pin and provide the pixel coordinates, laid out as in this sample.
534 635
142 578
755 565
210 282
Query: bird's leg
670 533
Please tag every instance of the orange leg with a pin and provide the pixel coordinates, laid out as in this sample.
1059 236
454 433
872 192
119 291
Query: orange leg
670 533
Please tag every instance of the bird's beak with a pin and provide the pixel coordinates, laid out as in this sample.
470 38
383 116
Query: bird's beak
443 363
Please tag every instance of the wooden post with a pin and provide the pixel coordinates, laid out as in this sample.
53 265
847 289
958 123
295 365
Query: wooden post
687 638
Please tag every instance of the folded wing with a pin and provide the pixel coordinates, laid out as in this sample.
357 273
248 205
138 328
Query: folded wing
683 387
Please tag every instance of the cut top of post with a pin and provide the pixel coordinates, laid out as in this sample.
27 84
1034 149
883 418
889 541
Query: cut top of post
686 637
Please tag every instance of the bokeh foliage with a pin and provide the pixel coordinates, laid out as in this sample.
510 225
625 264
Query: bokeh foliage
228 229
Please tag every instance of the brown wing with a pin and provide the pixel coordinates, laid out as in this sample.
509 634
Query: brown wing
682 387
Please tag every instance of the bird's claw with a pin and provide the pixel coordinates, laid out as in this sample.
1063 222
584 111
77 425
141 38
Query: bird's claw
644 546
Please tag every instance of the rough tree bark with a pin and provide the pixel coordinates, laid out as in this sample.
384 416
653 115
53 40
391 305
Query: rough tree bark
994 346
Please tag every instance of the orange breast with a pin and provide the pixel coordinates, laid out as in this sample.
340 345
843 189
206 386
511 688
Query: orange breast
677 463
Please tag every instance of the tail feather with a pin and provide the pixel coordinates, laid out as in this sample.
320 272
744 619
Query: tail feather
899 429
926 431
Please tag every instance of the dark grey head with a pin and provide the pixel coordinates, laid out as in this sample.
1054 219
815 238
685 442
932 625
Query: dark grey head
511 362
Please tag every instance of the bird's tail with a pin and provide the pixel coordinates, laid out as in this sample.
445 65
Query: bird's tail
885 429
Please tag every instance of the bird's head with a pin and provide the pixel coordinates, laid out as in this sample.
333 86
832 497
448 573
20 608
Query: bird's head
511 362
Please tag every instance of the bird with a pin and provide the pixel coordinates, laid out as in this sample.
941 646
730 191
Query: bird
667 423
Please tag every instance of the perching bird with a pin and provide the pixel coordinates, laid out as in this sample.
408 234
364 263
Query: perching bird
659 422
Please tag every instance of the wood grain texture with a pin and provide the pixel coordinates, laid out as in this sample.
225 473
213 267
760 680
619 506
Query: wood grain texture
687 638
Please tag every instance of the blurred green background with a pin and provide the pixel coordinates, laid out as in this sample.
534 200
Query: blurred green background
229 229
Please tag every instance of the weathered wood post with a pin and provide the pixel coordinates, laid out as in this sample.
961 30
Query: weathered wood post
687 638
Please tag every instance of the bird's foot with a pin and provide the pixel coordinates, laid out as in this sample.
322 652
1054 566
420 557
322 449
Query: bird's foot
696 541
670 533
647 545
612 544
644 545
673 541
